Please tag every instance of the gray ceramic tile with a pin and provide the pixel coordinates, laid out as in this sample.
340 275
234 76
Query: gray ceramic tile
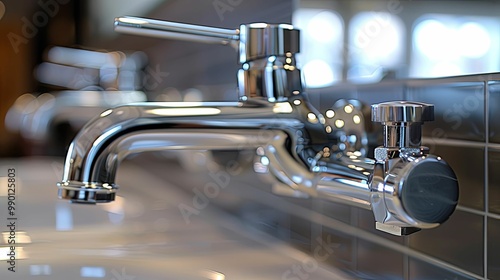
340 247
374 261
377 262
370 94
300 233
266 219
468 164
494 112
494 181
419 270
458 241
493 249
458 107
333 210
335 248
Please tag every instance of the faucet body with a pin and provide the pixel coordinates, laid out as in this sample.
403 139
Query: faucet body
295 146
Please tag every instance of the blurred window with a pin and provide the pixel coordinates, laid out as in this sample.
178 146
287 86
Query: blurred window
376 46
320 58
446 45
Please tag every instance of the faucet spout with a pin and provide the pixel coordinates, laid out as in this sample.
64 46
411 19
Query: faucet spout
100 185
95 154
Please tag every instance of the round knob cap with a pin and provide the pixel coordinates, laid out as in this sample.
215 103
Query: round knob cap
402 111
429 192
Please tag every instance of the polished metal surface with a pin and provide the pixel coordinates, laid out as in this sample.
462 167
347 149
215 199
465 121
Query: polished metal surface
98 149
348 182
262 40
266 52
402 121
274 79
294 145
256 40
401 198
347 119
402 111
175 30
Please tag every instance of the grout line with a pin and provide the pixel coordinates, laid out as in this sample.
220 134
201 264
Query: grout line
493 146
478 212
471 210
486 178
406 260
456 142
493 216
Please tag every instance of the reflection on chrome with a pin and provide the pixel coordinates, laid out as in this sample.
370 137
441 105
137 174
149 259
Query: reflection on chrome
296 147
116 210
212 275
185 111
64 217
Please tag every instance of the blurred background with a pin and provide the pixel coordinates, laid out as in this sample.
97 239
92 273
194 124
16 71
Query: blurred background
62 64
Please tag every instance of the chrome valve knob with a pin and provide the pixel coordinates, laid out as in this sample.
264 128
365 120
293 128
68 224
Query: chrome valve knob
411 189
402 121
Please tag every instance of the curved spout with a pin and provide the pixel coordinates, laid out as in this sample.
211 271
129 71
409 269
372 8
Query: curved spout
95 153
102 187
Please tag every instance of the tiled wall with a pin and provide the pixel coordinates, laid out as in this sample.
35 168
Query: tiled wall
466 133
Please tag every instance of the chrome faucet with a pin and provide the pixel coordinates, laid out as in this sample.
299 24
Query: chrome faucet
295 145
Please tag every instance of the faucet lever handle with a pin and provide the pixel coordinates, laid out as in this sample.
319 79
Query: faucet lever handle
175 30
266 51
254 40
402 121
